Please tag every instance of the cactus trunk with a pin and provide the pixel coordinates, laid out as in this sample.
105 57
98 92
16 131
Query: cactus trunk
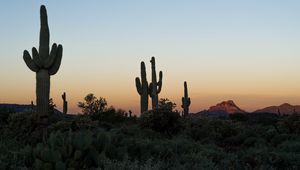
65 103
154 84
42 95
186 101
144 102
155 87
142 88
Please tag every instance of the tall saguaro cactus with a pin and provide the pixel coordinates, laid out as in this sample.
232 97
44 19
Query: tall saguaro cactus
186 101
142 88
65 103
45 65
155 87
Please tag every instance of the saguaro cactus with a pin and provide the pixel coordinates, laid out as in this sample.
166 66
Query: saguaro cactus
155 87
186 101
142 88
65 103
45 65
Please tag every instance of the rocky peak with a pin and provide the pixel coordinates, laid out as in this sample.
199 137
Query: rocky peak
226 106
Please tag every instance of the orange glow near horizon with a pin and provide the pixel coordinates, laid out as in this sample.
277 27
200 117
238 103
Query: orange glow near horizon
244 51
202 93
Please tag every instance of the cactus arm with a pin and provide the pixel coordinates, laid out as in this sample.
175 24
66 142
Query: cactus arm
35 57
55 66
44 34
159 84
63 96
189 101
50 60
138 85
29 62
143 72
182 99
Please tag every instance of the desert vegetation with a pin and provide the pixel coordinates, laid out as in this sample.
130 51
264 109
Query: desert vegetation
107 138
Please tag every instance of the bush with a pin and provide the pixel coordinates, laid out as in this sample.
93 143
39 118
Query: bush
162 121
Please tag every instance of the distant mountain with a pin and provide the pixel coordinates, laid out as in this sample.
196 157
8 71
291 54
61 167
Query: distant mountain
282 109
224 108
14 108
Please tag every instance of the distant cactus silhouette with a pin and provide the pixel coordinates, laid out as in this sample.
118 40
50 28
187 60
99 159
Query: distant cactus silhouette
142 88
186 101
45 65
130 113
155 87
65 103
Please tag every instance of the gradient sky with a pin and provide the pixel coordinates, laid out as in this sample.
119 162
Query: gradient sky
247 51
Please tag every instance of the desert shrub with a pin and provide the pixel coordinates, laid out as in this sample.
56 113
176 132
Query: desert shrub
92 105
269 134
224 128
254 142
76 150
4 115
194 161
291 123
10 157
290 146
280 138
22 126
225 133
166 104
255 157
198 128
162 121
111 115
239 117
262 118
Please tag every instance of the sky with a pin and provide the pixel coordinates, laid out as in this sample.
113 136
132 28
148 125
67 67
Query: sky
243 50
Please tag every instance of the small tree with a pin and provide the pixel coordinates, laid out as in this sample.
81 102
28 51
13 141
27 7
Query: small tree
166 104
52 106
92 105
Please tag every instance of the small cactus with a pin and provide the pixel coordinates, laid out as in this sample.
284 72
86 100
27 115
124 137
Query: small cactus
65 103
142 88
130 113
44 64
155 87
186 101
32 106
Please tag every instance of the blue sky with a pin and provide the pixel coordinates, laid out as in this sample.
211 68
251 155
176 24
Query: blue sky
236 50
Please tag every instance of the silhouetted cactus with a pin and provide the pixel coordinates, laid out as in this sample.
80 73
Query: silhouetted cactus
186 101
32 106
65 103
155 87
142 88
130 113
45 65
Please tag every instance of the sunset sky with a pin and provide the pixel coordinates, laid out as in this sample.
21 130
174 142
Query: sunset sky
247 51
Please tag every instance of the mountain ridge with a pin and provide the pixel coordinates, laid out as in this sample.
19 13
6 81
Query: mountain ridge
283 109
225 108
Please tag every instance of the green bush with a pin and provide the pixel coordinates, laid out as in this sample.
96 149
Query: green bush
162 121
